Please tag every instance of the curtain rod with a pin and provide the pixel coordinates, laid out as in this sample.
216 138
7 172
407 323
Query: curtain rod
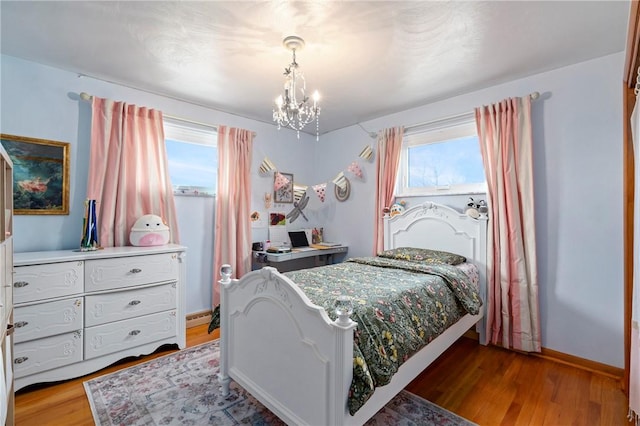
87 97
374 135
534 96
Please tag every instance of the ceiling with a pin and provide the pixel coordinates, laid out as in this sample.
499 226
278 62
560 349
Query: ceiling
366 58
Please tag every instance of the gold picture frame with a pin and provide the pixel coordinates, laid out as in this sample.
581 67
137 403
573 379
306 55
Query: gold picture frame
40 175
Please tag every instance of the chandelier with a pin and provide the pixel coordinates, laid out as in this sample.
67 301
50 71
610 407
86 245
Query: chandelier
293 109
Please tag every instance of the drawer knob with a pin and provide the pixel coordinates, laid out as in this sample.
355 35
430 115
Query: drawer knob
20 324
134 332
19 284
136 270
134 302
20 360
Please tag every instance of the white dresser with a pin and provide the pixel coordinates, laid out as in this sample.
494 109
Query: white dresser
78 312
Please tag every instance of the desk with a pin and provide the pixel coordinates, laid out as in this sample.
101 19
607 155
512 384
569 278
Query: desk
279 260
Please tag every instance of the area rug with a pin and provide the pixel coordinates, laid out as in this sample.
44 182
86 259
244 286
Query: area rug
182 389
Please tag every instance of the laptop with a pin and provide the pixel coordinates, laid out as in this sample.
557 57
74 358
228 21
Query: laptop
299 240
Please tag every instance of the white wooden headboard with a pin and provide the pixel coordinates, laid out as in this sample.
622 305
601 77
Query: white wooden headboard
439 227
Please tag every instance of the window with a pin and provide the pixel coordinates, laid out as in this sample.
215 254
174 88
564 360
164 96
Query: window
442 158
192 153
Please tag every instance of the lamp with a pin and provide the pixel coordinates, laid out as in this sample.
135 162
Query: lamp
289 110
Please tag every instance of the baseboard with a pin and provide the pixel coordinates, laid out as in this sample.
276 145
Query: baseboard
582 363
198 318
571 360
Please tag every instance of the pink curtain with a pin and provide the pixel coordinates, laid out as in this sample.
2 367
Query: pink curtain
233 204
388 159
128 175
504 131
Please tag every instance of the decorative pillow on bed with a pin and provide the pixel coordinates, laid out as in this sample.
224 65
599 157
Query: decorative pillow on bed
423 255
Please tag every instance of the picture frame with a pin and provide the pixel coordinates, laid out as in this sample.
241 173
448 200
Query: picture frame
40 175
285 193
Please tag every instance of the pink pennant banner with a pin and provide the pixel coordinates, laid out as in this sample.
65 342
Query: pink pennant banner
280 181
320 190
355 169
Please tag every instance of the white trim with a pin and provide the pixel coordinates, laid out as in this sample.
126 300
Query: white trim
439 132
472 188
190 133
441 123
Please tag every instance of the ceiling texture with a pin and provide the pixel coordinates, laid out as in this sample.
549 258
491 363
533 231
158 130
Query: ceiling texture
367 58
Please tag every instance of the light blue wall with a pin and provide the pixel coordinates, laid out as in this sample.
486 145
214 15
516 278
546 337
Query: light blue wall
577 130
577 172
42 102
196 224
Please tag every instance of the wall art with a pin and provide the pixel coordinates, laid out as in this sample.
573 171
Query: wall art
40 175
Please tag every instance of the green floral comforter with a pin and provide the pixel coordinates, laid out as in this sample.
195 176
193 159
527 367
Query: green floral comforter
399 305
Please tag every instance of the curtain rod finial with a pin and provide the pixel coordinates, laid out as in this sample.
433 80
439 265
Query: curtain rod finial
85 96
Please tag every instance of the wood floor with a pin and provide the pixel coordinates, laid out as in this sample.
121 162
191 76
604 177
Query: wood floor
487 385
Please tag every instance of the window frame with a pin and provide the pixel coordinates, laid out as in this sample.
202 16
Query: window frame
196 134
439 131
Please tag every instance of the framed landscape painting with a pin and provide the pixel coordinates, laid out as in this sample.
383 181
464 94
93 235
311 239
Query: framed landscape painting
40 175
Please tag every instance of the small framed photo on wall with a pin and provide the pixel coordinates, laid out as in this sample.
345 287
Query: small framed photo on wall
282 187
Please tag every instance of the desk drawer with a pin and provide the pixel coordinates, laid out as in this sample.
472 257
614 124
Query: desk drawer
116 336
105 274
104 308
37 282
39 355
47 319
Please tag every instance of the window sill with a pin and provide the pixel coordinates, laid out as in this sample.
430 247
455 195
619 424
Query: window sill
444 193
188 193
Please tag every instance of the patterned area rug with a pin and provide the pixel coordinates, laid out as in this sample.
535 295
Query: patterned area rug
182 389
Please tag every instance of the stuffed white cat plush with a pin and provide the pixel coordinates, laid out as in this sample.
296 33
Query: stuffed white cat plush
149 230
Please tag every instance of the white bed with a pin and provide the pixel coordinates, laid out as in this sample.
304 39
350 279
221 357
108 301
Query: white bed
294 359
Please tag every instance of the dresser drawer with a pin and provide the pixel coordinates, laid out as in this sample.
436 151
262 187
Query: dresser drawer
104 274
116 336
47 319
37 282
40 355
104 308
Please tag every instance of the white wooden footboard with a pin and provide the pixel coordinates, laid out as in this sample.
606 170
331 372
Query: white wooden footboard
291 357
283 349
